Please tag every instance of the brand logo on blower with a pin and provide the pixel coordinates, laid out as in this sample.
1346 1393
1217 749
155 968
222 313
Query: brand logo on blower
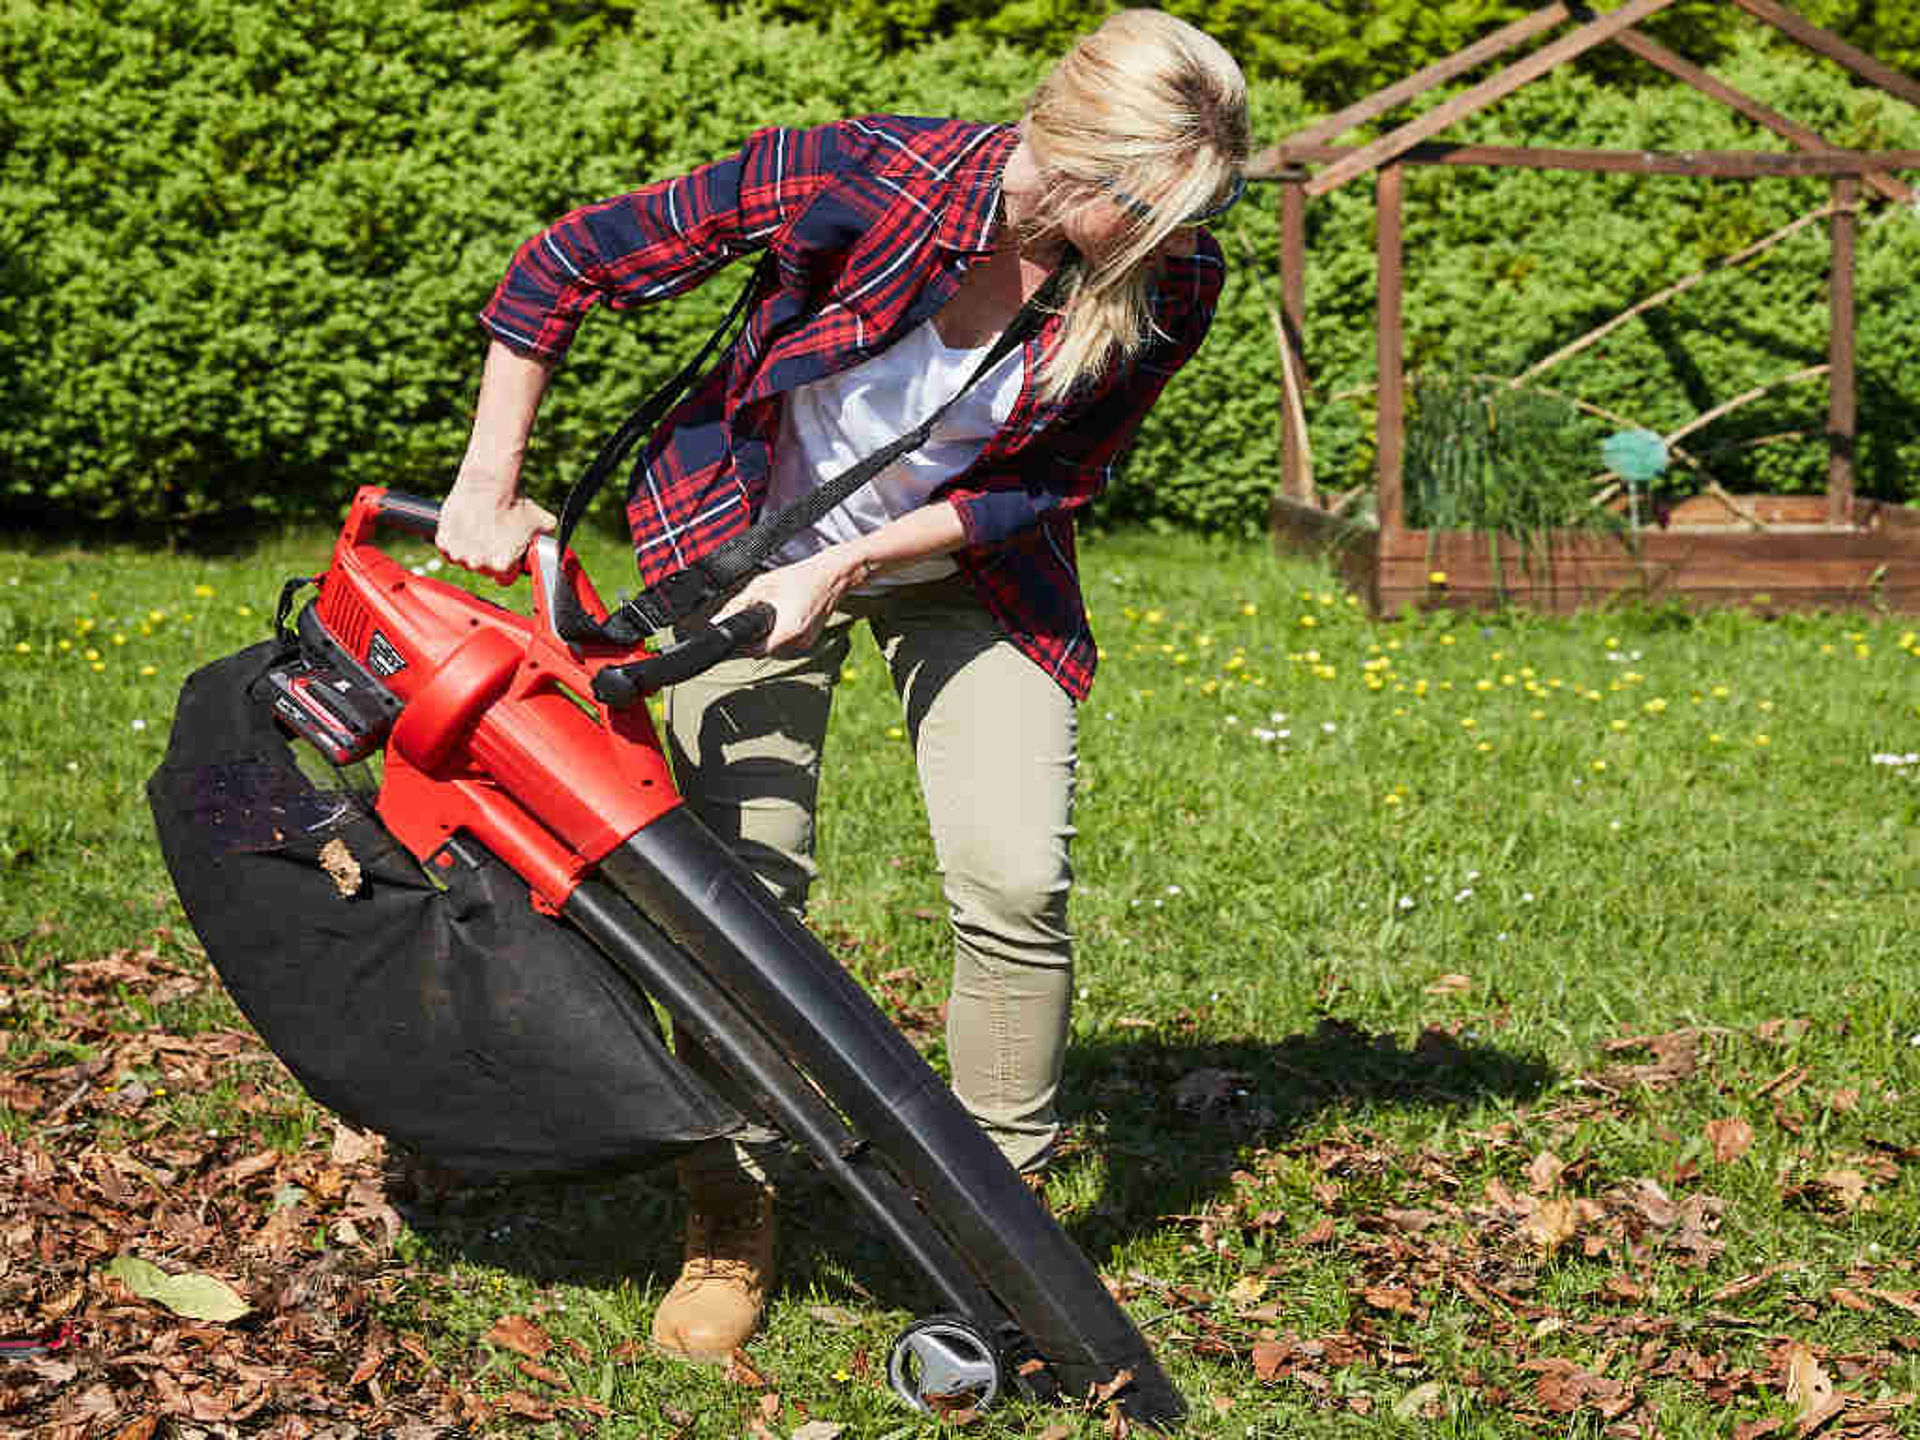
382 658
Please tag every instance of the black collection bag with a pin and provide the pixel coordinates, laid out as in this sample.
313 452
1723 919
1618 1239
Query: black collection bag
445 1013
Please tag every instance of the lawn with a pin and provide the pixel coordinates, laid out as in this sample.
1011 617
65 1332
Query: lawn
1491 1025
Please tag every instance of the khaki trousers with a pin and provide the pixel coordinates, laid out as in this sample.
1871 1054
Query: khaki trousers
994 740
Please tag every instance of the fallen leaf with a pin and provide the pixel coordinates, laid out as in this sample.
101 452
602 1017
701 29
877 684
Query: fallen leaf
835 1316
1247 1290
1100 1394
828 1430
520 1335
1552 1223
1544 1171
1268 1357
354 1147
741 1372
196 1296
1809 1388
1731 1138
1411 1222
1421 1402
1449 985
341 867
1907 1300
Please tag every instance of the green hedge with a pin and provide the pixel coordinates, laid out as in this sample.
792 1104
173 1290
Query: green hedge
241 248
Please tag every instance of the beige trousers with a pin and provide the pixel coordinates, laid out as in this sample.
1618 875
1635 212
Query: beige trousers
993 737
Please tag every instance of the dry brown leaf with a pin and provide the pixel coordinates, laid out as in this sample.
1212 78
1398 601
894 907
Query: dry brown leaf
1544 1171
1809 1387
1268 1357
1101 1394
341 867
1449 985
1730 1138
355 1147
520 1335
546 1374
1411 1222
741 1372
1551 1223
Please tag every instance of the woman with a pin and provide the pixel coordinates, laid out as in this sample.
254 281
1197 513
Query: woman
904 248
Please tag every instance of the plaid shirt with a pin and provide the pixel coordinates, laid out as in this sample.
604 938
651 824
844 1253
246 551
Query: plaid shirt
872 222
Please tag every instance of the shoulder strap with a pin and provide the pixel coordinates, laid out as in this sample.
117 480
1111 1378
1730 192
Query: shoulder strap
687 591
569 616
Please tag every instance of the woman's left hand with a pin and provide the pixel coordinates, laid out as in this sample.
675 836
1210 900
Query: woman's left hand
803 595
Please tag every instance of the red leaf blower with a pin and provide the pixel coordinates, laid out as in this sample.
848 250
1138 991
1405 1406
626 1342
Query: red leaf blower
380 937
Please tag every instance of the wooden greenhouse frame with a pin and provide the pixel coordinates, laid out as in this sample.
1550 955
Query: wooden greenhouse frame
1768 551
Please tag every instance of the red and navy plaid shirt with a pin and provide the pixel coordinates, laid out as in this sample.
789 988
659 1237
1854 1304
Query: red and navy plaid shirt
872 222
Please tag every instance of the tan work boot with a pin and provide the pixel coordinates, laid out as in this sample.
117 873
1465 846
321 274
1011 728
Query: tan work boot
716 1304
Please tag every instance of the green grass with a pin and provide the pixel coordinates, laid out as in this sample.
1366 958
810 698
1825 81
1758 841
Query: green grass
1364 909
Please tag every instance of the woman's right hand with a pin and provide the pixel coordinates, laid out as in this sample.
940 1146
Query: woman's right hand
488 529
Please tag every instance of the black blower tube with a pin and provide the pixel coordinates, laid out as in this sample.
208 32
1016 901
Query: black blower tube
709 904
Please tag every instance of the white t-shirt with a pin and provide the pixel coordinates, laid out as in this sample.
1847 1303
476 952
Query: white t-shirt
829 426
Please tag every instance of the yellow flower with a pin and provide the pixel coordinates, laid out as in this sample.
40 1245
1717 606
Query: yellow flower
120 639
1308 621
1485 747
1446 639
1483 685
203 592
1719 692
93 654
1655 706
1154 617
1599 765
1613 642
1249 609
1437 577
148 670
1390 800
23 648
1863 651
894 732
1619 725
1762 741
154 615
1715 737
1468 723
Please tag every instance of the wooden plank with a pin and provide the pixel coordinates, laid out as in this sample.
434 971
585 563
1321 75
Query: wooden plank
1381 101
1715 164
1840 352
1423 127
1825 42
1390 343
1657 55
1296 453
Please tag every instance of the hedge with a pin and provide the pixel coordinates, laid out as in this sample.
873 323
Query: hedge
241 249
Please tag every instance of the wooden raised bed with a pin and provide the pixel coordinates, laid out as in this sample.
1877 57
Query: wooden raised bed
1702 557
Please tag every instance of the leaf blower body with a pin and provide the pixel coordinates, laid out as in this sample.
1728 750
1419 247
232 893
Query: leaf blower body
505 774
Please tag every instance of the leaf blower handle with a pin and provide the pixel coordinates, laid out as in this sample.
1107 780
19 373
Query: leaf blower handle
619 686
412 513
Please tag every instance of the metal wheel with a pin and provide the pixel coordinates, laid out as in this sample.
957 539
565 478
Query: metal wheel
944 1363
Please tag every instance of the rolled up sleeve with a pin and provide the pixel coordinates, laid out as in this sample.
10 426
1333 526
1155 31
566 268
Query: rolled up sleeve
1084 447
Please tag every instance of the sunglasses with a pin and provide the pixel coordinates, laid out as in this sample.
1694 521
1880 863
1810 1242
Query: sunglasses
1140 209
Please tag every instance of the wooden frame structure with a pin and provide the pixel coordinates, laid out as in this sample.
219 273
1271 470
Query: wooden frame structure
1771 551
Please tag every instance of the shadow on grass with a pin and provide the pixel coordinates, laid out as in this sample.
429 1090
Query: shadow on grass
1171 1120
1174 1120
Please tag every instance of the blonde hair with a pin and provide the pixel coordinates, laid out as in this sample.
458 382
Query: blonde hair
1155 109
